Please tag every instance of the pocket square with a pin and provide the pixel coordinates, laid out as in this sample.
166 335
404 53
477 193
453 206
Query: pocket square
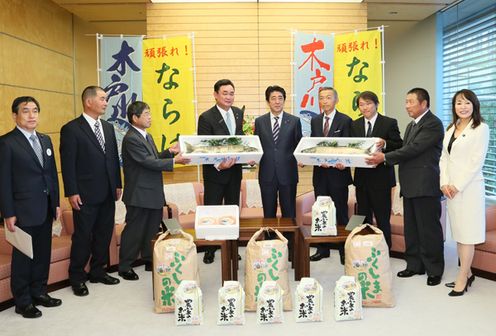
337 131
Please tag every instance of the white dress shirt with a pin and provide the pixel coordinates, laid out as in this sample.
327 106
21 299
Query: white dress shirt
92 122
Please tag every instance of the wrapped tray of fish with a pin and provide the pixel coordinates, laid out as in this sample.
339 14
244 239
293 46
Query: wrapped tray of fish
351 152
213 149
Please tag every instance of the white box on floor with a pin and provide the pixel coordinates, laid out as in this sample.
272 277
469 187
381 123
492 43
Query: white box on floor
217 222
213 149
351 152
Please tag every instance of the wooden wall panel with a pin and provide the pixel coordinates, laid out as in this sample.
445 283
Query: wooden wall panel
85 60
40 22
5 120
32 66
249 43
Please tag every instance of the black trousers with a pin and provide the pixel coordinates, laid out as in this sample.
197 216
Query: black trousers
287 199
93 228
142 225
29 277
218 194
376 202
423 235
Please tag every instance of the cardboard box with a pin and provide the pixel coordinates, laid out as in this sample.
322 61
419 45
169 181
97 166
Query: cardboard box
363 145
217 222
213 149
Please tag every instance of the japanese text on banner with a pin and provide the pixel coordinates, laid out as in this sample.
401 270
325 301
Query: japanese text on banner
358 68
313 68
168 88
120 77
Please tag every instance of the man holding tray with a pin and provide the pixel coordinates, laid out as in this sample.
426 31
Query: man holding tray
418 161
222 181
373 185
331 181
143 191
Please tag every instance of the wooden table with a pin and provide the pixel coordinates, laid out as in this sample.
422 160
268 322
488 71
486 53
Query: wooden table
225 252
306 239
247 227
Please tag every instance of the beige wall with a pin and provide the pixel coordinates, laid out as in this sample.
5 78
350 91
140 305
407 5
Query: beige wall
410 54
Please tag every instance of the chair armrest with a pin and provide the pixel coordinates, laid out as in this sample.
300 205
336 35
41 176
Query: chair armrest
174 209
491 218
5 247
303 205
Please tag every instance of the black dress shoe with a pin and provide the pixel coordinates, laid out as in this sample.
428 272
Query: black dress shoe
129 275
209 257
317 256
80 289
29 311
46 300
105 279
433 280
407 273
148 266
450 284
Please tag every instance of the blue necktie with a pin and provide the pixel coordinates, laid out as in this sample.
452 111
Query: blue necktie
229 123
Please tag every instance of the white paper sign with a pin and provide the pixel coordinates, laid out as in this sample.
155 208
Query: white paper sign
20 240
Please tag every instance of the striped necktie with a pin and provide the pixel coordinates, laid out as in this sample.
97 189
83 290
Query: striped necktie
37 148
326 126
99 136
275 130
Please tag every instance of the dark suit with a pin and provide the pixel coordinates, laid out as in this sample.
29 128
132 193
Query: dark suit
418 161
221 187
143 195
278 171
30 192
95 175
373 185
331 181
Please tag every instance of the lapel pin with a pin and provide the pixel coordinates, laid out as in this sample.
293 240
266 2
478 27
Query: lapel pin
49 152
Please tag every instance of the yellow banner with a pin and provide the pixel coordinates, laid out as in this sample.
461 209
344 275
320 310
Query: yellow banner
168 87
358 68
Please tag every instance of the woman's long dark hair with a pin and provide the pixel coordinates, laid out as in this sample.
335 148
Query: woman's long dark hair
472 97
